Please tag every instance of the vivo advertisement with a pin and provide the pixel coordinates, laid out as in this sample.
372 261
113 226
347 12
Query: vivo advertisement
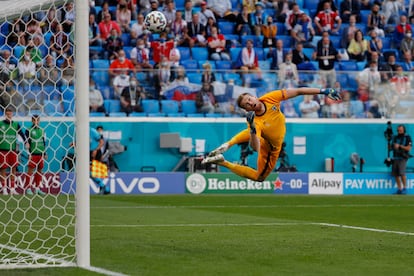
133 183
228 183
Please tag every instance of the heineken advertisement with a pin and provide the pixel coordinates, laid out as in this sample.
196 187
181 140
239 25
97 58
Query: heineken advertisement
225 183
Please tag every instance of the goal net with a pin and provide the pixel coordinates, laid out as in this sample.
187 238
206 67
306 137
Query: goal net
37 103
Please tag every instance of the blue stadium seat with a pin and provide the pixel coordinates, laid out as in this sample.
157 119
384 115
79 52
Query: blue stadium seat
199 53
364 16
194 78
47 37
201 62
51 92
388 51
357 108
260 53
257 40
184 53
264 65
342 79
117 114
101 78
179 4
126 39
348 66
223 65
128 50
169 106
213 115
150 106
96 114
226 27
336 41
138 114
195 115
287 40
189 64
100 63
234 53
112 106
18 51
188 106
157 114
281 29
311 4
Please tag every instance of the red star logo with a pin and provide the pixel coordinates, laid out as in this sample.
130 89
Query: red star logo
278 184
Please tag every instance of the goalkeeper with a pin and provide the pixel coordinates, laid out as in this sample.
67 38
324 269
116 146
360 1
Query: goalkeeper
266 130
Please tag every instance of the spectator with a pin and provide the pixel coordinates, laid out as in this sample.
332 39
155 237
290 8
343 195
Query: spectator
210 25
309 107
96 101
301 60
407 64
34 51
374 110
327 55
161 48
27 69
170 14
48 73
366 5
154 6
60 47
8 66
121 62
205 14
288 109
348 8
342 109
67 17
94 36
348 33
138 28
292 17
163 74
321 5
376 20
303 31
140 57
120 81
248 61
123 16
407 44
174 60
400 30
217 46
222 9
258 18
277 55
374 45
243 23
105 10
180 78
207 75
131 97
10 97
388 68
392 10
106 25
189 11
269 32
400 83
282 9
368 80
325 20
288 74
358 48
196 34
206 101
179 29
112 45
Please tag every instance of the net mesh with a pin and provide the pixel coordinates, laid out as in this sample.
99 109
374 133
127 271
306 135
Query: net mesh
37 204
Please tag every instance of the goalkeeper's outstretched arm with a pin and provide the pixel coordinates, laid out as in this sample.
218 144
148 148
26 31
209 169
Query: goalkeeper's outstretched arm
330 92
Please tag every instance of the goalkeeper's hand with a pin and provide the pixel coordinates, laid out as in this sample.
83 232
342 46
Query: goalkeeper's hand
331 93
250 119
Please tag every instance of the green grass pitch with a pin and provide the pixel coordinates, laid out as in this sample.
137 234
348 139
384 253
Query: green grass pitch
249 235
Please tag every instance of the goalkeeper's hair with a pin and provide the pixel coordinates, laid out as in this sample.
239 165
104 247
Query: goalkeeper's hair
240 98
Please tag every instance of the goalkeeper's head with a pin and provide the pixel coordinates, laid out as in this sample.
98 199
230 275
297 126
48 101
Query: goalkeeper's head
249 102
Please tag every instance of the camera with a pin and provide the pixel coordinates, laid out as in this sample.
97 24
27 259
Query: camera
388 134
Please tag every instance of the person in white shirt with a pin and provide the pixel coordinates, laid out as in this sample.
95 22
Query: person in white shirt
309 107
96 101
205 14
120 82
368 80
288 73
27 68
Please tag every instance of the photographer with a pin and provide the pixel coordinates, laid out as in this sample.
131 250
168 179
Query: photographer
401 145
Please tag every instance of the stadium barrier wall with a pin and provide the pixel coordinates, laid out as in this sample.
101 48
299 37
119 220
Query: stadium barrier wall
229 183
309 142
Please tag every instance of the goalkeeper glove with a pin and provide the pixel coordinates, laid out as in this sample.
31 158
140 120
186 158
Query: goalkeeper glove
331 93
250 120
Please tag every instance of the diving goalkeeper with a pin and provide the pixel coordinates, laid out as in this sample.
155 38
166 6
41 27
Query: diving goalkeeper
266 130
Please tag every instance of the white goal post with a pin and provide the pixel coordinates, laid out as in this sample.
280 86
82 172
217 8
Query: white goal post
41 228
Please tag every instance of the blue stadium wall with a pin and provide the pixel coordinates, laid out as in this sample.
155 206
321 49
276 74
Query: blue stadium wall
309 142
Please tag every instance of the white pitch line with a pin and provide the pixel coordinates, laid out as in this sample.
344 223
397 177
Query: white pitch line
250 206
253 224
104 271
365 228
